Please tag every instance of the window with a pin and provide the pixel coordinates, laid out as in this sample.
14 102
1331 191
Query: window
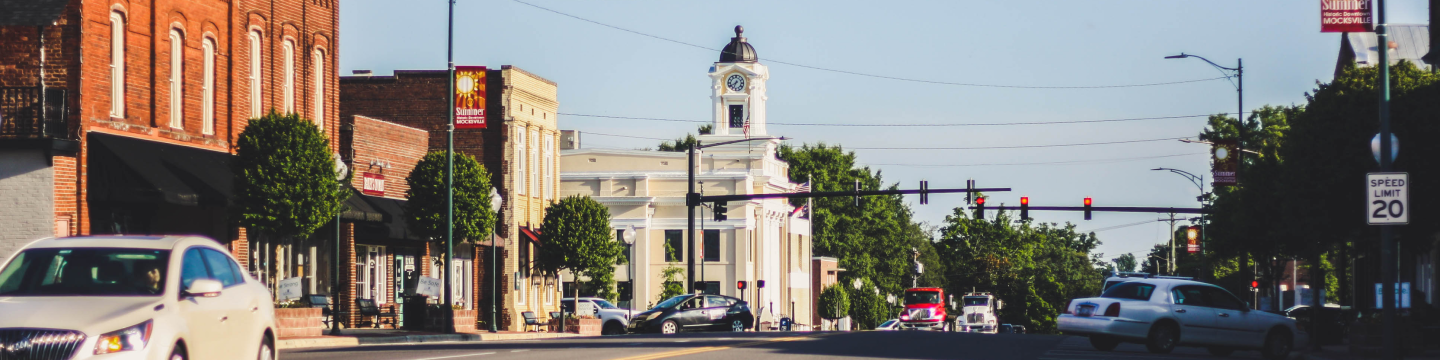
923 297
257 101
207 89
712 245
521 180
319 89
85 272
192 267
1130 290
289 84
712 288
1220 298
177 85
534 138
117 65
675 245
737 116
550 294
221 268
549 184
1188 295
620 237
524 257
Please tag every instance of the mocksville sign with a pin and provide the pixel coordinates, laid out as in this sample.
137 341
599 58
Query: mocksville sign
469 97
1346 16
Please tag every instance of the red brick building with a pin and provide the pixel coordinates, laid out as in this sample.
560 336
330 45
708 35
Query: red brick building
142 103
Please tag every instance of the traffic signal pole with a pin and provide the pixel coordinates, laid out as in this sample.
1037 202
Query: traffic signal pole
1387 236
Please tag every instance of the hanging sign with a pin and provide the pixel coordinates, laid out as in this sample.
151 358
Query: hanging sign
469 97
1346 16
374 184
290 289
1225 162
428 286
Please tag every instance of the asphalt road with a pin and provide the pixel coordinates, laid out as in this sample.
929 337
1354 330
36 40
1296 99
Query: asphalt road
750 345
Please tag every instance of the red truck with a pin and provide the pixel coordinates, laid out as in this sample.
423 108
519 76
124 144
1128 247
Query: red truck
924 310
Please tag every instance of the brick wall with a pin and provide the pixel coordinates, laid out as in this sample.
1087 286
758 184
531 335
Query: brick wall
373 144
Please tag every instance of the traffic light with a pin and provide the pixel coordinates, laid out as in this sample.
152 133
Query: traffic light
740 285
1087 208
760 284
857 193
1254 285
1024 208
721 211
924 192
624 289
980 208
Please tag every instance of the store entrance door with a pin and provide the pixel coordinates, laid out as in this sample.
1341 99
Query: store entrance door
404 268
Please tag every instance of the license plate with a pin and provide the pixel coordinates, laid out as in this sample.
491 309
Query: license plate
1085 310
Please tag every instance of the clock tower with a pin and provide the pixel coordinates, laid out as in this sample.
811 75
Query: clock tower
737 90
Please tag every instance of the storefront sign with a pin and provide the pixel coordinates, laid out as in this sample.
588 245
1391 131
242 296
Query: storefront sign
374 184
1225 162
1345 16
1402 295
469 97
290 289
428 286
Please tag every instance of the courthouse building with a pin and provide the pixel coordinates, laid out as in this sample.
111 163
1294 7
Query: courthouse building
763 240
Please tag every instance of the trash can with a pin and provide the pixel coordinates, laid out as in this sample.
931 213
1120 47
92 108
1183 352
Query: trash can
414 311
785 324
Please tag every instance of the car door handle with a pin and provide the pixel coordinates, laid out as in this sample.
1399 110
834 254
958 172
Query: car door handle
255 309
1182 311
1224 315
223 318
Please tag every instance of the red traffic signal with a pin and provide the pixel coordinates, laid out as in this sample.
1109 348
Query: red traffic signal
1087 208
1255 284
979 201
1024 200
1024 208
1087 201
740 285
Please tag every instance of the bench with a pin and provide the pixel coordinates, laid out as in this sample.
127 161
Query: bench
530 320
368 310
329 314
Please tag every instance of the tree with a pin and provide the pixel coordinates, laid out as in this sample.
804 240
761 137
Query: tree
834 302
670 285
1125 263
425 210
285 182
576 236
683 144
867 306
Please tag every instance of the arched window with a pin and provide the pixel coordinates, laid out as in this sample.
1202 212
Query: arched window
117 65
177 85
257 102
289 84
319 88
207 89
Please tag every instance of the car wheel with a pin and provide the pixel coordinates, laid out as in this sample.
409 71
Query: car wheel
178 353
737 325
669 327
1220 351
612 328
267 352
1277 345
1104 343
1163 338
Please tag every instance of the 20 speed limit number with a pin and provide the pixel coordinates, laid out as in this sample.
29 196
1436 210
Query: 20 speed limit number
1387 198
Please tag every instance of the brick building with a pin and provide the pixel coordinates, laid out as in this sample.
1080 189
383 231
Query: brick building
142 103
519 149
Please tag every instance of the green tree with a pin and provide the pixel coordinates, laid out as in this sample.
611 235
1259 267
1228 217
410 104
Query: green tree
577 237
285 182
425 210
834 302
670 284
1125 263
867 306
683 144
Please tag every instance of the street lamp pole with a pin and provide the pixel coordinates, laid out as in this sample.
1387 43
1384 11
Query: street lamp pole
1387 233
1239 83
450 176
692 200
496 203
1199 181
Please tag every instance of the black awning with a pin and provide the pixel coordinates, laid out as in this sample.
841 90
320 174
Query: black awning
357 209
377 218
394 210
123 169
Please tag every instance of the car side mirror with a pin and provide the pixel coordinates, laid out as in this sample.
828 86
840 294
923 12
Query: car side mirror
204 288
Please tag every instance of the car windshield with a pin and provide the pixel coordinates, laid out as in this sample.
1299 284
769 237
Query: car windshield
1111 283
977 301
672 302
605 304
85 272
1130 290
922 297
887 323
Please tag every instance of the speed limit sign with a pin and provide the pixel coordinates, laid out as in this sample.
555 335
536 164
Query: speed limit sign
1387 198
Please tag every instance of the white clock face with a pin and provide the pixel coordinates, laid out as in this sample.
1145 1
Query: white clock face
735 82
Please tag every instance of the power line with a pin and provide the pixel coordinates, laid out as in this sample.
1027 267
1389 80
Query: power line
1093 161
936 82
916 125
1018 146
626 136
1120 226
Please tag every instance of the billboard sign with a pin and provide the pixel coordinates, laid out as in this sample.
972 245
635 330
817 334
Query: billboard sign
469 97
1346 16
1225 162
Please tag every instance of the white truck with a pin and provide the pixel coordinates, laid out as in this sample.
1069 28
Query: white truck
978 313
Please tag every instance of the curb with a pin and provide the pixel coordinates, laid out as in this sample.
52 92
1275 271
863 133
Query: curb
338 341
415 339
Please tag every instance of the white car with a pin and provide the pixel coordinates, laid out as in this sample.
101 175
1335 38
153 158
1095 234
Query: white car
132 297
613 319
889 325
1164 313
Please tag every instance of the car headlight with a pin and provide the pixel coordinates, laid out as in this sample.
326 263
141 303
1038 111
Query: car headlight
130 338
652 316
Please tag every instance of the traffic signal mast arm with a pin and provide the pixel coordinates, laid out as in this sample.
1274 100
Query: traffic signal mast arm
697 199
1139 209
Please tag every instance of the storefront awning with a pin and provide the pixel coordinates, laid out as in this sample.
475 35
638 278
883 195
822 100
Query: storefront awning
124 169
377 218
533 235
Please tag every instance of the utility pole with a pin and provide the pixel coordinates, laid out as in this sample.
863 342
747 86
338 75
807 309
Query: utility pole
1171 263
450 176
1387 233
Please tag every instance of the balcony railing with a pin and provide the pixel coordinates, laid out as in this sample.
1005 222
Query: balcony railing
21 114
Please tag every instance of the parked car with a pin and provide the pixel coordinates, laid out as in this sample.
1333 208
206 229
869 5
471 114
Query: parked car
1018 329
695 313
1164 313
613 319
154 298
889 325
1120 277
1334 322
1005 329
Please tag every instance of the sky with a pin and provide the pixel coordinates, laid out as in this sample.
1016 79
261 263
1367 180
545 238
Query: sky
605 71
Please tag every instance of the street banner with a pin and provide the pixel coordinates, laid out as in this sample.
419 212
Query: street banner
1346 16
1225 162
290 289
469 97
374 184
428 286
1193 241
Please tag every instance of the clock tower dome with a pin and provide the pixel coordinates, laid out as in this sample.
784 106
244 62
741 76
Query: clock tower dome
737 89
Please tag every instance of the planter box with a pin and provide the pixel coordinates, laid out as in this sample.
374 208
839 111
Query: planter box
465 320
584 327
299 322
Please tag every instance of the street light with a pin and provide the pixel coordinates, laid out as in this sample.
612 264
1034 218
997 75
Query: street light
1199 181
341 172
1239 84
692 199
629 237
495 204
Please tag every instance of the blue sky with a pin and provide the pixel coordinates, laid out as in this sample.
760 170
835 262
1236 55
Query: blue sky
604 71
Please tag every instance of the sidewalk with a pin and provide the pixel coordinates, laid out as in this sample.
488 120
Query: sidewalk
1342 352
356 337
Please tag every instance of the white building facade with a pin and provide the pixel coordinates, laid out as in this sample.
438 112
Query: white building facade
762 240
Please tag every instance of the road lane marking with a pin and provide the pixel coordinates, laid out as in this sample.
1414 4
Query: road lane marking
682 341
521 350
456 356
698 350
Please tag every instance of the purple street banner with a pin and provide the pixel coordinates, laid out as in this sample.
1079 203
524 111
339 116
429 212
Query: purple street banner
1225 162
469 97
1346 16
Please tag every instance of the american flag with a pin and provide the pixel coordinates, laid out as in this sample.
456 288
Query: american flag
803 187
747 127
